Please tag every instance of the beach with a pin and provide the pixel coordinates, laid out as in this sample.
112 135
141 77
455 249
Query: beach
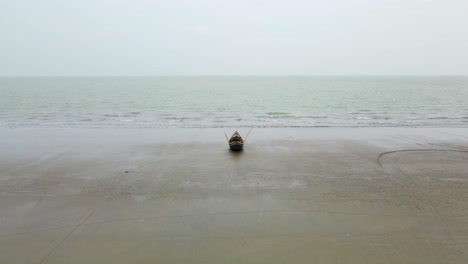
178 195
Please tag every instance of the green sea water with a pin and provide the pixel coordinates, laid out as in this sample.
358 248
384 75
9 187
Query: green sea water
140 102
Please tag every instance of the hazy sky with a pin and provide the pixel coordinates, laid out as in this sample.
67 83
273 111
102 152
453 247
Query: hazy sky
241 37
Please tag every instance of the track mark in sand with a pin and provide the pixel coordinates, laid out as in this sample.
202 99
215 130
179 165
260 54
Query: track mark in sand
426 238
118 186
415 150
81 222
68 235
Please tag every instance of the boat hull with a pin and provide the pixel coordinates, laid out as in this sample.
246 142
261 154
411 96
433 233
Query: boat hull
236 142
236 146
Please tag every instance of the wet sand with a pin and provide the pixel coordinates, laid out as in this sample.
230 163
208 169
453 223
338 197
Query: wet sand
341 195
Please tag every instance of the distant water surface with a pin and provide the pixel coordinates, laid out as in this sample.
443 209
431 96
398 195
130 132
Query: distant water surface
233 101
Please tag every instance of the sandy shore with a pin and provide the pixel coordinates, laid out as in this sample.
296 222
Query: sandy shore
347 195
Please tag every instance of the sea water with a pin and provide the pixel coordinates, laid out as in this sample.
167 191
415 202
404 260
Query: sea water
233 101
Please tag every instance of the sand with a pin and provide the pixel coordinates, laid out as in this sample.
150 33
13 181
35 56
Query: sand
323 195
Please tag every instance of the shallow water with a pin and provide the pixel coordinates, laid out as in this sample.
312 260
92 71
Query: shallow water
233 101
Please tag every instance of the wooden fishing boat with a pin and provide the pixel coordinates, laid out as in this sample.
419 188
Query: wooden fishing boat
236 142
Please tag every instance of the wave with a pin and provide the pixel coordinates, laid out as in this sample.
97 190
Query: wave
438 117
277 113
241 120
220 124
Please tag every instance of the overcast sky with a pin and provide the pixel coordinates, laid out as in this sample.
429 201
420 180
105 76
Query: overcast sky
237 37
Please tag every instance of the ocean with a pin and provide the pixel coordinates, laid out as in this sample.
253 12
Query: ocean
199 102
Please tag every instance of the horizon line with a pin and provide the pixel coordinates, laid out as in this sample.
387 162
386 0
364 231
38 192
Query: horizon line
251 75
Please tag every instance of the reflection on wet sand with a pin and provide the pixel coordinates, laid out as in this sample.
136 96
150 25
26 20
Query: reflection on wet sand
171 196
